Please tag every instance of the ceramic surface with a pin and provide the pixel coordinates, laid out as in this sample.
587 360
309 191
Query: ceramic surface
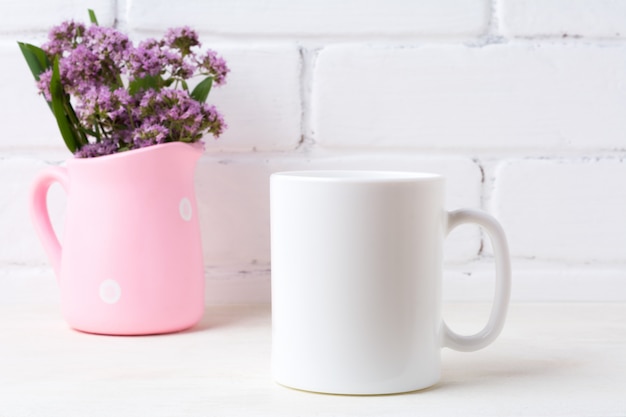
130 260
356 280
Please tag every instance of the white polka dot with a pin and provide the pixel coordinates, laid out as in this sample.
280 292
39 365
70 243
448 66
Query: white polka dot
110 291
185 209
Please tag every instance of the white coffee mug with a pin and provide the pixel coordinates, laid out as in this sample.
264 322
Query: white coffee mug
356 280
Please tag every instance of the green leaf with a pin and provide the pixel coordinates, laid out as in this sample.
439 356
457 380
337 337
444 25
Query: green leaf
59 108
77 129
201 91
145 83
88 132
35 58
60 105
92 17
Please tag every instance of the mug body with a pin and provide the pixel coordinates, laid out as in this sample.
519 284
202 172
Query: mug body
132 258
356 280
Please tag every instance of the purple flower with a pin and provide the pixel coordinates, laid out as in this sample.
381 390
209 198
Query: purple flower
123 97
108 44
173 109
214 120
180 66
128 96
147 59
149 134
105 108
80 70
104 147
185 118
63 37
43 84
182 38
216 66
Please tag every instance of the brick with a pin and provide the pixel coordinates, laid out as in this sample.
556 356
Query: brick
261 99
320 18
562 210
505 96
247 286
233 204
28 286
531 283
27 121
563 18
41 15
16 176
233 195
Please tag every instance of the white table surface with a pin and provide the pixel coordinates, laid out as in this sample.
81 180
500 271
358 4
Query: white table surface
553 359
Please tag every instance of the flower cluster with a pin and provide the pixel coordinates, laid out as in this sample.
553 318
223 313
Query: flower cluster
127 96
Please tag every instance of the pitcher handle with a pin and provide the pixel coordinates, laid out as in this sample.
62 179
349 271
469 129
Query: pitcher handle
503 283
40 215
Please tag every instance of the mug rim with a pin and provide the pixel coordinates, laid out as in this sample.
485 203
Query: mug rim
323 175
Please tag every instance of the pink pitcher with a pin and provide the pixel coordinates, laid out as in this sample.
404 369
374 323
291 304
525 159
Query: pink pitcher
130 261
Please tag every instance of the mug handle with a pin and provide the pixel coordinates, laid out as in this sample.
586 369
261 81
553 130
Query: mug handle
41 217
503 283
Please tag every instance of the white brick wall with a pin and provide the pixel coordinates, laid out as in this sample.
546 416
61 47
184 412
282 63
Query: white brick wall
504 96
26 119
520 103
37 16
261 102
321 18
563 209
564 18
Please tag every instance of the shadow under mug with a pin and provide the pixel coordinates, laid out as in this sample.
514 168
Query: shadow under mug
357 259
